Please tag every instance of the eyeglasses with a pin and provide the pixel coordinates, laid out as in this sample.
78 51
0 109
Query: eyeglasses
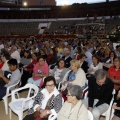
50 85
69 95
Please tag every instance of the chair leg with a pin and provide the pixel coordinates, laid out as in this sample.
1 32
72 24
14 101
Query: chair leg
6 104
18 95
20 115
10 113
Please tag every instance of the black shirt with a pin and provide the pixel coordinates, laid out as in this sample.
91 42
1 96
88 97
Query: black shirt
102 93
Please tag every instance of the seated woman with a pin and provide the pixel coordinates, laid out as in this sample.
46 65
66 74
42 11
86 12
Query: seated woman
95 65
40 70
83 63
26 59
47 101
114 73
52 57
117 108
109 62
75 76
27 70
59 71
73 108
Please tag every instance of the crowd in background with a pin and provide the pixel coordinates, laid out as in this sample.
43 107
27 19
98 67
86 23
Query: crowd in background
70 62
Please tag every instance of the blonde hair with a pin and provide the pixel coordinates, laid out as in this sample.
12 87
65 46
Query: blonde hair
76 63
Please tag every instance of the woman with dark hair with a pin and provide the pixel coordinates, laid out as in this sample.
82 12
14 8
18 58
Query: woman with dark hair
40 70
47 101
114 72
77 54
27 70
110 60
26 59
83 63
95 65
73 108
43 53
59 71
52 57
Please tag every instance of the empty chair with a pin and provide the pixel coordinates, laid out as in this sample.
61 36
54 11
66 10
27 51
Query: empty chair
8 94
22 104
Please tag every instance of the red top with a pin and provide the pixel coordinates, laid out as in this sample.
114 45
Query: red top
113 73
31 65
1 64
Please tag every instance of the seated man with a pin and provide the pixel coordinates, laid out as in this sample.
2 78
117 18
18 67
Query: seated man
99 93
15 77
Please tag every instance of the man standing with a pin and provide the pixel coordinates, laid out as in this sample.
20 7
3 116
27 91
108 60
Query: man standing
99 93
15 77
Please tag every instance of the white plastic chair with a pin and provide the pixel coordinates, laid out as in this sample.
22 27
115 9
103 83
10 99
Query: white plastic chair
54 116
8 94
107 114
18 106
90 116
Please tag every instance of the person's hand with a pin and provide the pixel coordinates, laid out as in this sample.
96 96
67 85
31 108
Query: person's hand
114 106
25 69
43 113
118 95
69 83
38 109
90 109
65 82
1 75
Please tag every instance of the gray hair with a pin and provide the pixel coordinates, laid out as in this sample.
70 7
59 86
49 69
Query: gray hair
75 90
66 50
100 74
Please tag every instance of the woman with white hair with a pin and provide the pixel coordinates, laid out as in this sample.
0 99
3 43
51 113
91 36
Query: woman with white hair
75 76
73 108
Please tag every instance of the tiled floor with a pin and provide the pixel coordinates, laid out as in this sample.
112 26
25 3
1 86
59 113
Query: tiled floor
3 116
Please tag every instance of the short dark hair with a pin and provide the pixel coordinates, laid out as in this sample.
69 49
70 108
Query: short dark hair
39 57
48 79
75 90
6 55
12 62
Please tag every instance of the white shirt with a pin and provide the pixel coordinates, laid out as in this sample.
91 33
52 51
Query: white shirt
57 74
5 66
16 55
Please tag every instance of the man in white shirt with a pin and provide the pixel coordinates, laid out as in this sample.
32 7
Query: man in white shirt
15 54
15 77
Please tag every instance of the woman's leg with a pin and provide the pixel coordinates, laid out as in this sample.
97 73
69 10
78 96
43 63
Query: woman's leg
37 82
115 118
30 80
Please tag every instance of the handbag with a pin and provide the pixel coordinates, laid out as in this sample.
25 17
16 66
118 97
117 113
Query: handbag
37 113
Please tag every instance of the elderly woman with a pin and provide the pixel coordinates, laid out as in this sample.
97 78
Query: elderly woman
40 70
75 76
73 108
59 71
95 65
47 101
